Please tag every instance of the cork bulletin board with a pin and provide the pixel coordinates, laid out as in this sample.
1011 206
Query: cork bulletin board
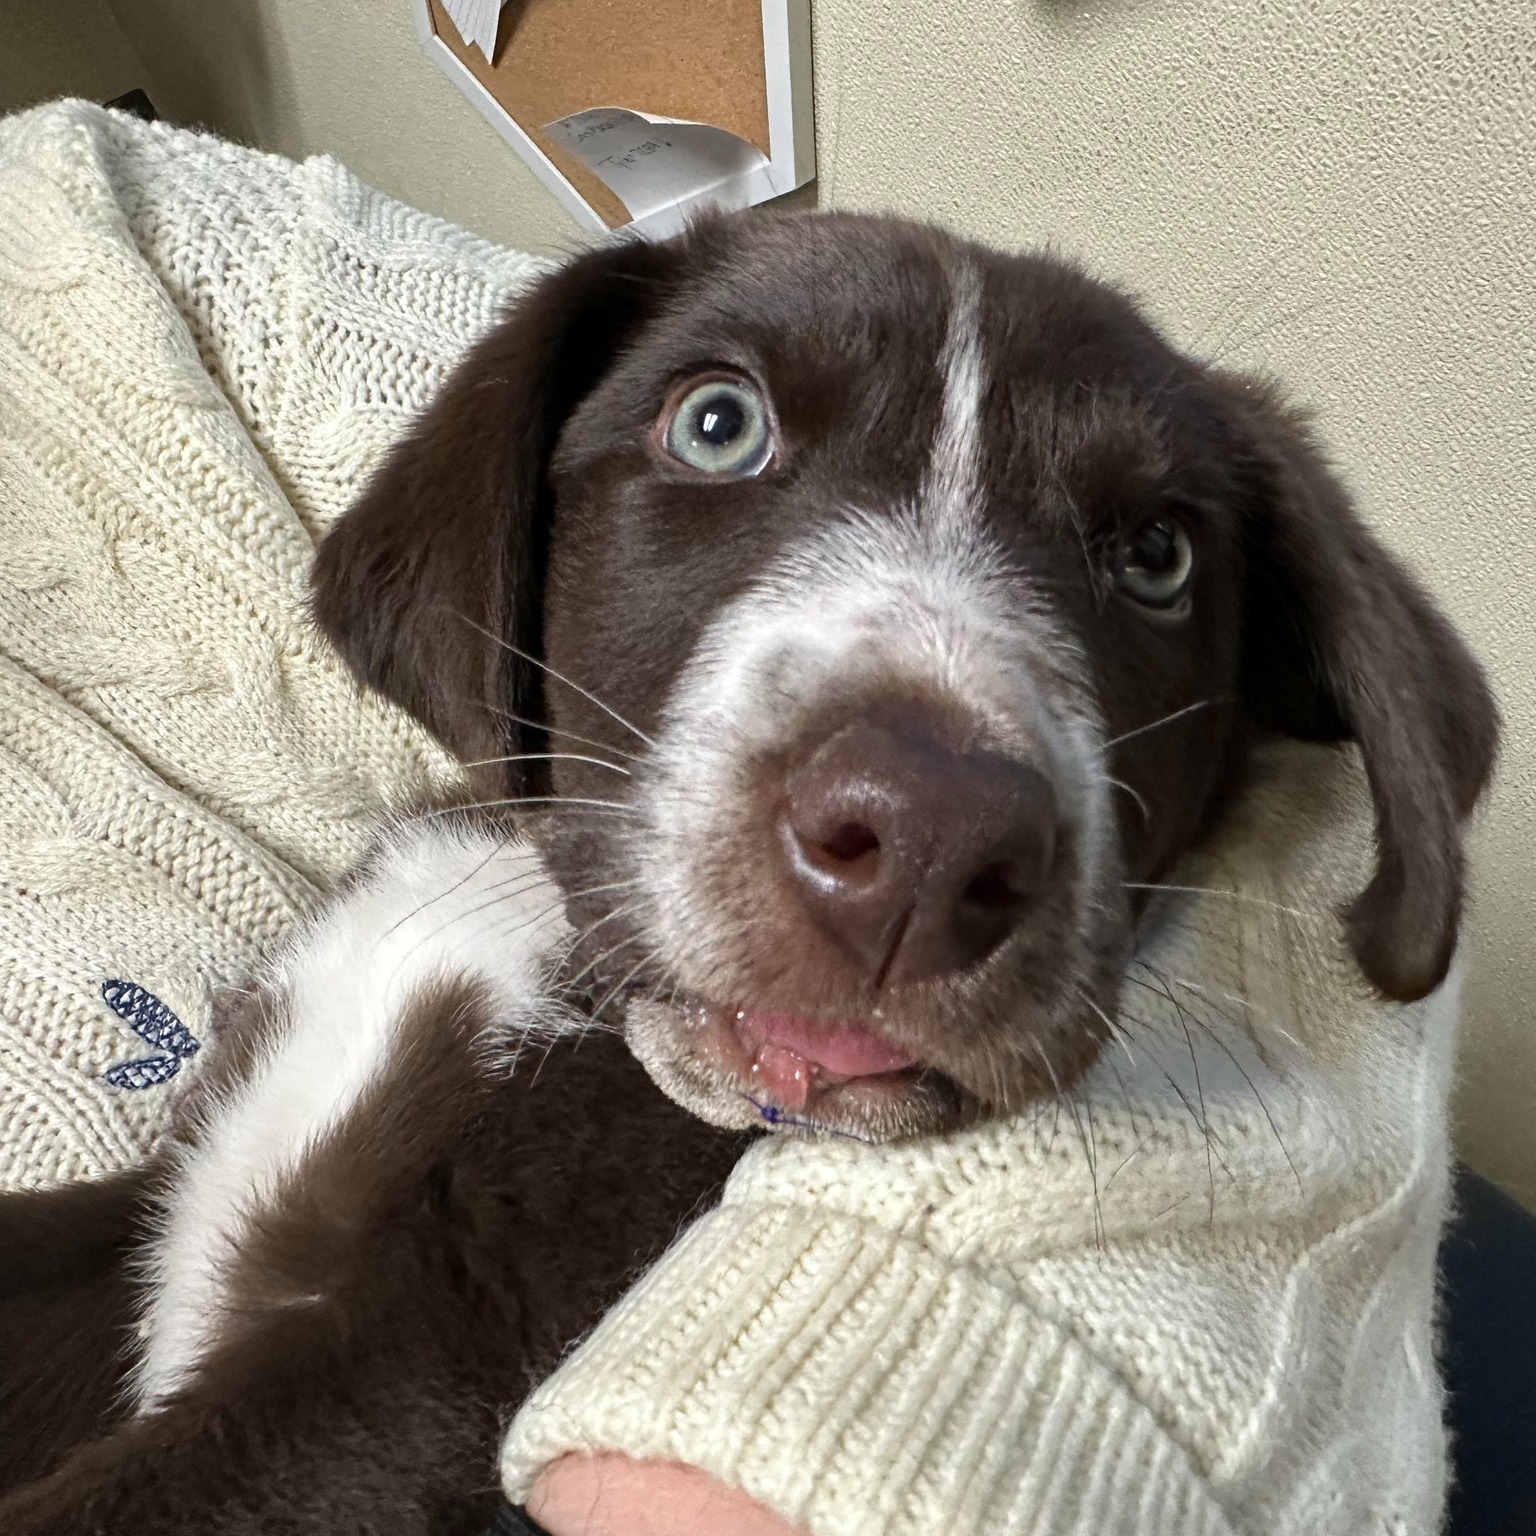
635 114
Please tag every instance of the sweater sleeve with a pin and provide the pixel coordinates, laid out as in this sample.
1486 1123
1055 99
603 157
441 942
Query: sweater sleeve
857 1383
1194 1296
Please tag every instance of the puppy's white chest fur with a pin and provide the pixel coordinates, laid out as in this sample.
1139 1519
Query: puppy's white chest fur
439 903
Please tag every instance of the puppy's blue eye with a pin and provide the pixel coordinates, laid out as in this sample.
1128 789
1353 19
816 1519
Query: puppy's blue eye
720 427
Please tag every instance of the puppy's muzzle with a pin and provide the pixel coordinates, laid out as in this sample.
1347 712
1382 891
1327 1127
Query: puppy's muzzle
917 857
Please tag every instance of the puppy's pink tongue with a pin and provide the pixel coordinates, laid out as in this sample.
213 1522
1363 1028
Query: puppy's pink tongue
791 1056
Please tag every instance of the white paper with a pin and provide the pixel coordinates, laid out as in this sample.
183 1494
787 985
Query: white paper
650 163
477 21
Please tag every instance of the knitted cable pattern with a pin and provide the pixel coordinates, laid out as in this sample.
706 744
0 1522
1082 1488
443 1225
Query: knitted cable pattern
203 351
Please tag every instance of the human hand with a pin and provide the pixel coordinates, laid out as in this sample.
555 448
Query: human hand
613 1495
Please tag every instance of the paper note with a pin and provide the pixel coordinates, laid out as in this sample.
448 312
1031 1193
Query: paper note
650 163
477 21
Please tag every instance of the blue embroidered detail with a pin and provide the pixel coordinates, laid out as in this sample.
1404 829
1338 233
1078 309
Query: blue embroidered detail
153 1023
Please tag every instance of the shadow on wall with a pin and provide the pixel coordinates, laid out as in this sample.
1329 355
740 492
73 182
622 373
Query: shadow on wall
217 66
1069 17
55 48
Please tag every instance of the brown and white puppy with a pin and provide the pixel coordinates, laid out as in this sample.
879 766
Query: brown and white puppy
863 621
928 598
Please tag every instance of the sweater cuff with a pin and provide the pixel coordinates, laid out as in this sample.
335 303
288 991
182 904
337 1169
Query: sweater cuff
859 1385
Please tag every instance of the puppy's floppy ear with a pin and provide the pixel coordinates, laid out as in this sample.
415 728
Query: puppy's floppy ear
1342 643
443 555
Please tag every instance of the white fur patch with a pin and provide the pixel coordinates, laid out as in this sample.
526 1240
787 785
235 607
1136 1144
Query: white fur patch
440 901
897 599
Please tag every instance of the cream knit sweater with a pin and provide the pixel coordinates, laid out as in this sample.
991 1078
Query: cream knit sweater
1195 1298
202 352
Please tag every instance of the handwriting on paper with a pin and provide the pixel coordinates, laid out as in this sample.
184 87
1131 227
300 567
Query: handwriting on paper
650 163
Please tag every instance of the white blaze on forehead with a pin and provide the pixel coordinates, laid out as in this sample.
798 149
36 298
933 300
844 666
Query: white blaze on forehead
953 486
899 594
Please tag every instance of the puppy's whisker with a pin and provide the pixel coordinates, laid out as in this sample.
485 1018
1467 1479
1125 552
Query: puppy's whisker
1164 988
542 800
1211 890
649 958
561 900
523 922
1210 1145
603 805
443 895
571 984
556 730
1255 327
1093 1168
596 890
1083 1136
1168 719
1116 1032
546 757
622 910
1127 1104
559 677
1243 1026
1141 804
503 891
1204 991
529 921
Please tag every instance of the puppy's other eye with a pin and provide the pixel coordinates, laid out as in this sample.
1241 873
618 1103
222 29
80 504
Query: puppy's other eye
720 427
1154 564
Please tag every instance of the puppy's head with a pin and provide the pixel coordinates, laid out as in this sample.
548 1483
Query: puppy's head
863 616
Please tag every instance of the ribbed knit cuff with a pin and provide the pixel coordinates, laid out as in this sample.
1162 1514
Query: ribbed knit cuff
861 1385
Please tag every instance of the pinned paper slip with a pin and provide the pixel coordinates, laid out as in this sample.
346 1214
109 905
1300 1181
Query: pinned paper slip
650 163
477 21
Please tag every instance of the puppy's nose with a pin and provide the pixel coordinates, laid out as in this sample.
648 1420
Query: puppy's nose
919 858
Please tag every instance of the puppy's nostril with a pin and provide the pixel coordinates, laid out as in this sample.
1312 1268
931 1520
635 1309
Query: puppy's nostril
847 853
993 889
850 842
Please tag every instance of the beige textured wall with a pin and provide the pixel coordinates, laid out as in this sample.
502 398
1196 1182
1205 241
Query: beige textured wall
1342 193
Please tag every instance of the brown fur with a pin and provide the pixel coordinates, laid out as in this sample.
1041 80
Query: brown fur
427 1267
67 1314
